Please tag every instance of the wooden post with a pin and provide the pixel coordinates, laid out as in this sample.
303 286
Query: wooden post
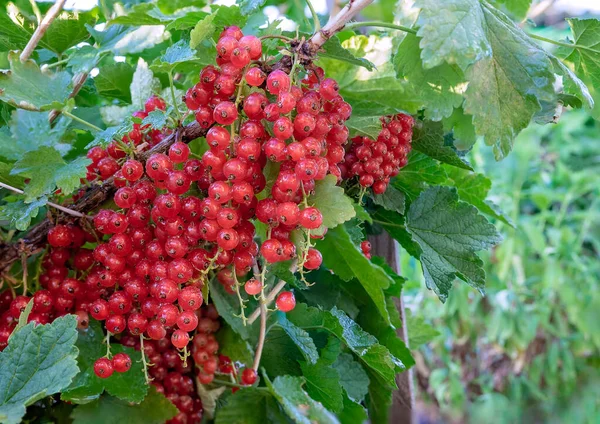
403 404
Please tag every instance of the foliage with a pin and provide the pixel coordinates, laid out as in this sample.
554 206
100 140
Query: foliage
531 341
465 70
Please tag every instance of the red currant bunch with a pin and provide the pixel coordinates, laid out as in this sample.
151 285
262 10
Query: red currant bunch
374 162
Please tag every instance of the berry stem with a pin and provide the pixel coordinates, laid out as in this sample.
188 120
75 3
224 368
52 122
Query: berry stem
173 98
24 266
108 354
313 12
379 24
54 205
261 336
240 299
55 64
39 32
81 121
144 363
270 297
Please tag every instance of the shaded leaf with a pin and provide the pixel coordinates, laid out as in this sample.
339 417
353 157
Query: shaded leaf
202 31
419 332
250 406
586 58
429 138
67 30
323 385
342 257
353 377
180 52
392 199
418 174
154 409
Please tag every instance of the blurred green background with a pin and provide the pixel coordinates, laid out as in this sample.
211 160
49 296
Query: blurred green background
529 351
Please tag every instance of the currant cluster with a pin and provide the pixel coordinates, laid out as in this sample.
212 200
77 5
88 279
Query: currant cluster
294 126
106 162
62 290
374 162
205 346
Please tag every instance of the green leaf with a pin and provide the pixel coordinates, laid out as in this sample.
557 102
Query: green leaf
12 36
31 130
330 199
113 81
282 271
438 88
26 87
232 345
392 200
120 40
142 14
517 8
5 176
361 214
395 226
473 188
178 53
379 401
155 409
103 138
250 406
67 30
157 119
86 386
366 126
228 308
353 377
229 15
375 356
19 214
209 398
505 90
203 31
352 413
48 170
461 126
342 257
586 56
300 337
248 7
38 361
296 402
83 60
429 138
334 50
419 332
281 355
449 233
419 172
323 385
572 84
143 84
451 32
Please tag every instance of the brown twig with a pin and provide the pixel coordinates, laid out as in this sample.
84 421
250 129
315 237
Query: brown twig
41 30
78 81
337 22
271 296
